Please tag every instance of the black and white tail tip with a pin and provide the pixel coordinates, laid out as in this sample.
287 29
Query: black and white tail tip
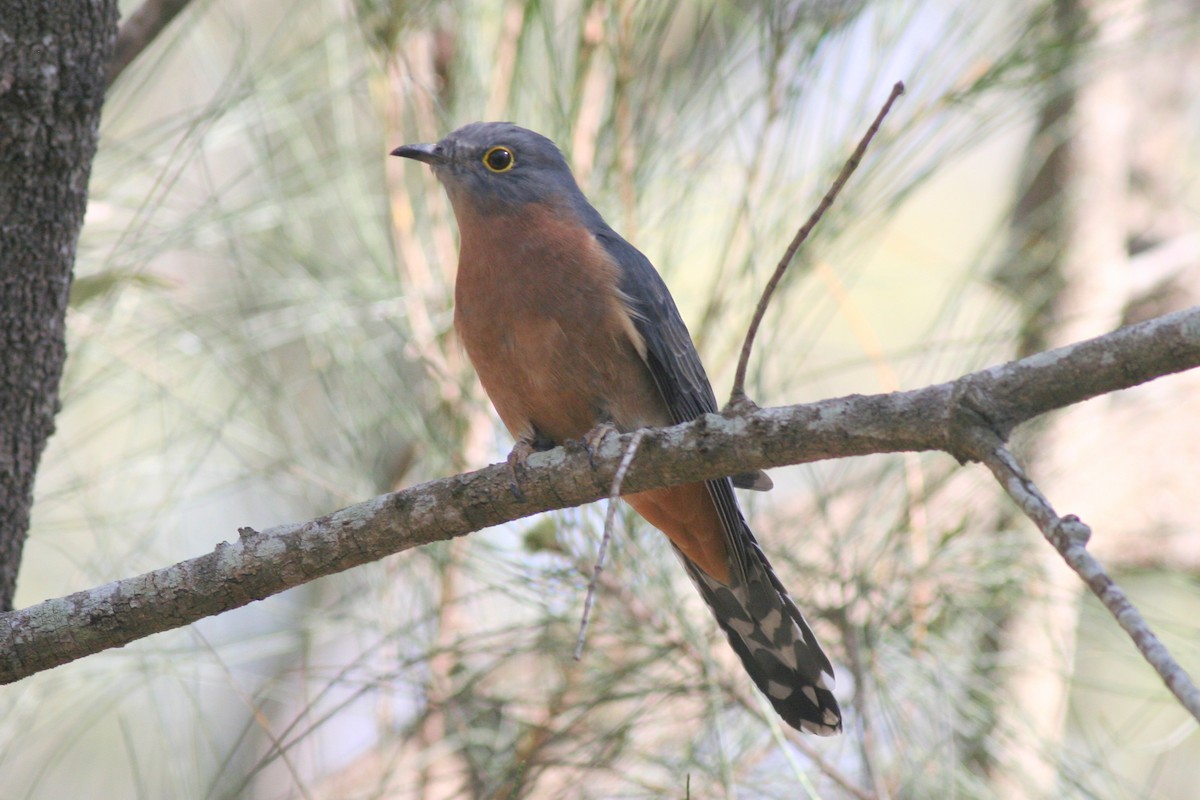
775 644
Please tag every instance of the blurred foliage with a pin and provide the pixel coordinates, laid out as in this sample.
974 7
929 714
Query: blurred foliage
261 332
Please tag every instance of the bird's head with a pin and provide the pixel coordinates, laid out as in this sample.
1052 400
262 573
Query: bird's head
497 168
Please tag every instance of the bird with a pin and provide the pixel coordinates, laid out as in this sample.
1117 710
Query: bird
571 330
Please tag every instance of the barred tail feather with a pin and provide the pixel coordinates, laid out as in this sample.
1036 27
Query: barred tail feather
774 642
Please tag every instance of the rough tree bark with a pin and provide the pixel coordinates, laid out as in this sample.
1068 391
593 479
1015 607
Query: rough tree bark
54 60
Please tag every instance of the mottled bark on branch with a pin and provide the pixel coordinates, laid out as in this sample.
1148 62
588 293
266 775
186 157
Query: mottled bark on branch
945 417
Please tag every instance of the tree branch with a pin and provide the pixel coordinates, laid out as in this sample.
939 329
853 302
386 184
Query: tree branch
1069 536
946 416
137 32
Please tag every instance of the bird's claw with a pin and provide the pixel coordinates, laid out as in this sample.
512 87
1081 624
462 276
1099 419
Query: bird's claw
592 440
516 464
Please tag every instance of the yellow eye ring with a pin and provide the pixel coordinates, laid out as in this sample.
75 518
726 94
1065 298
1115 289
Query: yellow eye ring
499 159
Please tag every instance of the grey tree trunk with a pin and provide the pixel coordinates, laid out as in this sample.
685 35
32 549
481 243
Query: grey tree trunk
54 59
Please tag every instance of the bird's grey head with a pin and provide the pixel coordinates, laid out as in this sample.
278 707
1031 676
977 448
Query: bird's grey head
498 167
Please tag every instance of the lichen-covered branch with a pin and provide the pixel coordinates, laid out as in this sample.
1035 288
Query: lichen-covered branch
1069 536
946 417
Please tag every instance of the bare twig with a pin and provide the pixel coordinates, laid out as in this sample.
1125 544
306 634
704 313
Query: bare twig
738 395
751 702
260 564
610 517
1069 536
257 714
649 619
796 740
1161 263
137 32
868 742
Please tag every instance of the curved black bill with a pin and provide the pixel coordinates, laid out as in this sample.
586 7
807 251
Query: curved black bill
420 152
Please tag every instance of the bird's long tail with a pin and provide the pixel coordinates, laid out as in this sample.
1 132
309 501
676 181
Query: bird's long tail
773 641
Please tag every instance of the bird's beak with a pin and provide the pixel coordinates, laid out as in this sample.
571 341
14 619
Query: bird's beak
421 152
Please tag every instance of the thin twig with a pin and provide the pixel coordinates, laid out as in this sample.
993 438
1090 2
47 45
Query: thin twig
256 712
139 30
738 395
610 517
1069 537
753 704
735 689
868 742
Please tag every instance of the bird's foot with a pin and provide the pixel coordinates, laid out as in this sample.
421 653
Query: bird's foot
592 440
516 465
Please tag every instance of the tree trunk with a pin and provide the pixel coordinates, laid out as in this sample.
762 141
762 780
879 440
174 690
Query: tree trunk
54 60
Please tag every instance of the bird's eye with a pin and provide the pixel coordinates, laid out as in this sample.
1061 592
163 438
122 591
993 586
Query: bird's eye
499 159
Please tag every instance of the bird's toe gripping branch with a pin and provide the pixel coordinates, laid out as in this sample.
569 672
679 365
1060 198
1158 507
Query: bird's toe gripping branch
592 440
520 452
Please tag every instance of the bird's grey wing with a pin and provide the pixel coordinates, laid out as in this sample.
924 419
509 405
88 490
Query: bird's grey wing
675 367
670 353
